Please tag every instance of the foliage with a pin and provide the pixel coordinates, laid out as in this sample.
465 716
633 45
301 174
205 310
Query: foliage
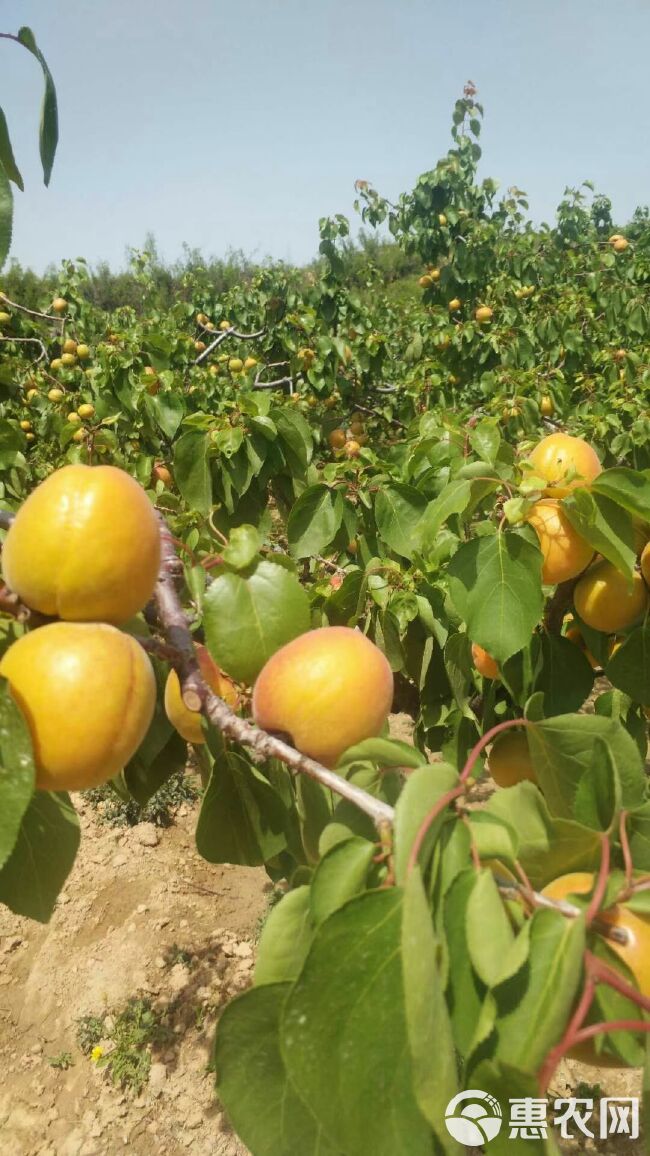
115 811
377 990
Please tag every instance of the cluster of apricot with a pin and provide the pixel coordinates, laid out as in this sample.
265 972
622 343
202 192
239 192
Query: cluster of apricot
349 440
603 598
84 549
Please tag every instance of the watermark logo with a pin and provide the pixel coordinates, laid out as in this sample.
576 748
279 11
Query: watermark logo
473 1117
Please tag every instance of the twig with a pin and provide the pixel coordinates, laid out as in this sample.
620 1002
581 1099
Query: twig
197 696
379 414
232 332
32 312
30 341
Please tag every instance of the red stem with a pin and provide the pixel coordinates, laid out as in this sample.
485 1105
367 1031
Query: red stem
627 854
601 882
486 740
429 818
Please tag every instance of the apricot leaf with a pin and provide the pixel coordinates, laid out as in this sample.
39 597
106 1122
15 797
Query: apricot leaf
314 521
42 858
252 1081
16 771
343 1033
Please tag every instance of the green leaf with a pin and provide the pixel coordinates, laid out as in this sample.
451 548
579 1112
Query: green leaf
606 527
548 847
495 584
627 488
242 819
285 939
42 858
566 747
485 908
427 1020
566 678
252 1081
466 992
343 1033
296 438
454 499
192 471
340 875
314 521
398 509
7 159
6 215
246 619
16 771
485 439
629 669
424 787
49 128
535 1003
383 752
167 410
243 547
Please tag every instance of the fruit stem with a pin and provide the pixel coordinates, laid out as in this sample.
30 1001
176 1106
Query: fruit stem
601 882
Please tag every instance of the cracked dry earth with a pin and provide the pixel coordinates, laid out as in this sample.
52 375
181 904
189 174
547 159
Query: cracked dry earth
142 913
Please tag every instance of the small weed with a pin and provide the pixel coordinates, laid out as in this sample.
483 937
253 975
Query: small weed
90 1030
137 1029
63 1061
116 812
176 954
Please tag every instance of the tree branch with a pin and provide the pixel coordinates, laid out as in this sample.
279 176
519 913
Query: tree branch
197 696
232 332
29 341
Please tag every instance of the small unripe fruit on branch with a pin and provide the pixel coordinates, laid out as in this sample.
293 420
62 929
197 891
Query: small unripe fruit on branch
328 689
88 693
85 546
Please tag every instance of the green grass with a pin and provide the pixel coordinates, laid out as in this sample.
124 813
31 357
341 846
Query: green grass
116 812
135 1030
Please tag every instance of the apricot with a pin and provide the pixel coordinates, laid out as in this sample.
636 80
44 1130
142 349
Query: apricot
454 304
510 762
483 314
635 953
235 365
328 689
484 662
605 601
88 693
84 546
161 473
547 406
186 721
336 439
352 448
560 454
565 553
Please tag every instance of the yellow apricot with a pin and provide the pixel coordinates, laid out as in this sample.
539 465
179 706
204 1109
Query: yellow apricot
84 546
510 762
88 693
565 553
186 721
605 601
560 454
484 662
328 689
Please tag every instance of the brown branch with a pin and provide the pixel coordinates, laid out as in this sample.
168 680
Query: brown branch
28 341
232 332
197 696
32 312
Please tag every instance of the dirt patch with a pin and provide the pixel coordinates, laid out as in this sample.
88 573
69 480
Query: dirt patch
140 913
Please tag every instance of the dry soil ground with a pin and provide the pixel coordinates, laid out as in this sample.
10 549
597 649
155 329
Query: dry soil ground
141 912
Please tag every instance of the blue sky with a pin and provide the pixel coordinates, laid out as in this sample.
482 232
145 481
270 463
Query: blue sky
239 124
